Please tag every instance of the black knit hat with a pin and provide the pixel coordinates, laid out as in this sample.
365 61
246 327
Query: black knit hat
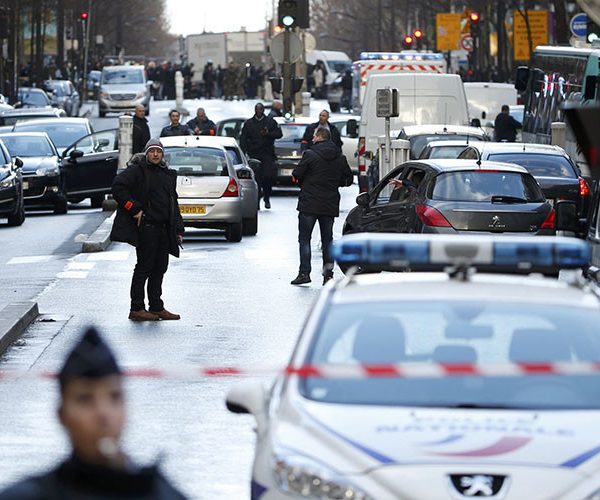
90 358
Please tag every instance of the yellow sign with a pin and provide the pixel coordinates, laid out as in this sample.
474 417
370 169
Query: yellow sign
447 27
538 25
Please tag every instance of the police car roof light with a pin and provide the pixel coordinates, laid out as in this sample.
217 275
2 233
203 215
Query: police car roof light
437 252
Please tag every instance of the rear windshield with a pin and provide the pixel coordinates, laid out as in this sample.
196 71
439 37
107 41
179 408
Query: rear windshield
27 146
62 134
539 165
34 98
482 185
418 142
116 77
206 162
11 120
292 133
450 152
234 155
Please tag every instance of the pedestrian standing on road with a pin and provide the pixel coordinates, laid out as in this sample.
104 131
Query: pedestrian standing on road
347 84
321 172
92 412
201 125
309 133
257 140
141 131
148 218
505 126
175 127
276 109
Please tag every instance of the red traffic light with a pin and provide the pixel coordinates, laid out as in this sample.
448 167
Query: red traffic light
277 29
418 34
408 40
84 16
474 17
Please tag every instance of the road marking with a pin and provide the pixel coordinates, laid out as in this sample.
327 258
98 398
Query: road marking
108 256
31 259
80 266
80 275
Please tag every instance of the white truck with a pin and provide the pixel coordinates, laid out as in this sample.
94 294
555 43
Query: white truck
486 100
336 63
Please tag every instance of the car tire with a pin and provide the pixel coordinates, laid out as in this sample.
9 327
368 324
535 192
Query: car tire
234 232
97 201
101 113
250 226
18 217
334 107
61 206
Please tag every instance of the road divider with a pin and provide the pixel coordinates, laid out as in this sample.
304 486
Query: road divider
99 240
15 318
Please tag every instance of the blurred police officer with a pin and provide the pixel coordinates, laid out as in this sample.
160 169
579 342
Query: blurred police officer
92 412
258 141
141 131
148 218
201 125
309 133
175 127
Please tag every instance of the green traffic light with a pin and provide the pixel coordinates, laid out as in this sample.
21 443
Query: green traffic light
287 21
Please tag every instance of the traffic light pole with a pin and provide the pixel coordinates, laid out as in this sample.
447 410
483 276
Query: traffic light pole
86 41
287 73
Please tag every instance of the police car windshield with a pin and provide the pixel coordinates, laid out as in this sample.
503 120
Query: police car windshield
205 162
457 332
292 132
539 165
418 142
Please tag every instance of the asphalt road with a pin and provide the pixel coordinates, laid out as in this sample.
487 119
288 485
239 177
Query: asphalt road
237 308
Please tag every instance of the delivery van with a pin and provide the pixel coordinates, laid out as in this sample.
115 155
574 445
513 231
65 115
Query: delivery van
485 100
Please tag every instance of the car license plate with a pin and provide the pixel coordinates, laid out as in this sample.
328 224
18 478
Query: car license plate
25 186
192 209
287 172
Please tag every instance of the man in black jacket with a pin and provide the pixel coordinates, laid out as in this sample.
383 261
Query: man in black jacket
141 131
175 127
258 141
148 218
307 139
321 172
92 411
505 126
201 125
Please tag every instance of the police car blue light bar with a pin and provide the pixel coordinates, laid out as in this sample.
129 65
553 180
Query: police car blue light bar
434 252
399 56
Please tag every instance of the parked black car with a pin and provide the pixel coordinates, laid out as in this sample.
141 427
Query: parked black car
9 117
288 149
43 180
62 133
12 202
64 95
454 196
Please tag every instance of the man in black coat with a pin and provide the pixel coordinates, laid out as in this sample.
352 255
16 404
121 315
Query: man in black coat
505 126
201 125
307 139
175 127
321 172
258 141
141 131
148 218
92 411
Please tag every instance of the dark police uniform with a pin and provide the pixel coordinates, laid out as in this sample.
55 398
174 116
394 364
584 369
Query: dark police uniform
207 127
171 131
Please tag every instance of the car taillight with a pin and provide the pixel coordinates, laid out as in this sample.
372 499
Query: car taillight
584 189
431 217
232 189
549 223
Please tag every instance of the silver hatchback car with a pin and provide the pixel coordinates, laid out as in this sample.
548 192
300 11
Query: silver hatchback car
211 192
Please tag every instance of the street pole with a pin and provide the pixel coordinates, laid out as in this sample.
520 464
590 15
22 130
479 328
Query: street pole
301 72
287 73
86 41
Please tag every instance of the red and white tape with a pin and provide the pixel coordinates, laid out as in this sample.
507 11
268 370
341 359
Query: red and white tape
348 371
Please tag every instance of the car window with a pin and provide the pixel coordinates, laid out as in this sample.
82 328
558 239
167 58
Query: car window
61 134
418 142
234 155
292 132
450 152
33 98
341 126
455 331
539 165
482 185
24 146
205 162
228 129
122 76
99 142
414 178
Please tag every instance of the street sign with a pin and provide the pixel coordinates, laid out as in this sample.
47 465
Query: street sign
277 43
467 43
578 25
447 30
386 103
538 24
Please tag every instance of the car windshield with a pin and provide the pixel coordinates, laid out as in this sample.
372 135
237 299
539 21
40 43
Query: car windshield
443 152
483 185
33 98
60 88
539 165
11 120
485 333
62 134
292 132
418 142
118 76
27 146
339 66
234 155
205 162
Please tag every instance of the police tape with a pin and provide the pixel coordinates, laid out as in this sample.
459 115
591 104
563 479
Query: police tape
347 371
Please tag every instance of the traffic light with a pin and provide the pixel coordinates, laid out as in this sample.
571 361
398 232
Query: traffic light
293 13
593 31
84 15
407 42
474 18
418 37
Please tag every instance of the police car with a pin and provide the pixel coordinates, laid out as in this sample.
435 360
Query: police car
451 382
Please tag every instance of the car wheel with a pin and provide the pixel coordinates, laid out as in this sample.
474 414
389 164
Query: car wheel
17 218
97 201
61 206
334 106
101 113
233 233
251 226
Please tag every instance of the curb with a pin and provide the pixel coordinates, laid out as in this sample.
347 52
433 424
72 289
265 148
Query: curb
15 318
99 240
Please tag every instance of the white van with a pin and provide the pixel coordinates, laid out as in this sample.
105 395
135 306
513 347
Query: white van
335 62
424 99
486 100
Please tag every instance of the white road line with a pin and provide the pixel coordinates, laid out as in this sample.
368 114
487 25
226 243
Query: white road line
108 256
80 266
31 259
80 275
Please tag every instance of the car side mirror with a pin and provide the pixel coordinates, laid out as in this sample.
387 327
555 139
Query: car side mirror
362 200
522 78
248 397
255 164
566 217
591 83
103 143
352 128
483 115
76 153
476 122
244 173
18 162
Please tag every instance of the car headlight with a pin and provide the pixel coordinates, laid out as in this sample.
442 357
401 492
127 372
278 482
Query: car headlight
304 477
105 95
7 182
140 94
47 171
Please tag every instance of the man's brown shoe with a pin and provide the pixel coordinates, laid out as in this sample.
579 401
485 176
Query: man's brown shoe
166 315
143 315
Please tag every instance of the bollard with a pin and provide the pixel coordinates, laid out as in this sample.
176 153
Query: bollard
305 103
179 94
125 140
558 134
